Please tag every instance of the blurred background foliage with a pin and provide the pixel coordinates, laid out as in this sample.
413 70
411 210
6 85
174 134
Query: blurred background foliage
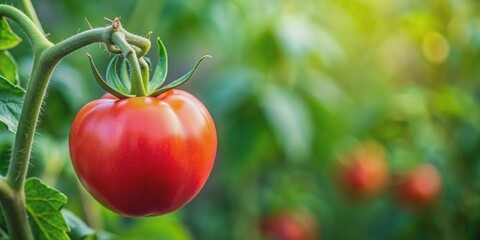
293 86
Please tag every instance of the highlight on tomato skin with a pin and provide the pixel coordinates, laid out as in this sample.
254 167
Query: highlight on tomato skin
144 156
108 96
419 188
289 225
364 172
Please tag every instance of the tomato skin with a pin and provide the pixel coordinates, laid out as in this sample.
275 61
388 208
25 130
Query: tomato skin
365 172
420 187
289 225
144 156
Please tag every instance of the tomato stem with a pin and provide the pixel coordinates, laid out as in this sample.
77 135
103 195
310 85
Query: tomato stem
5 190
145 70
138 88
142 43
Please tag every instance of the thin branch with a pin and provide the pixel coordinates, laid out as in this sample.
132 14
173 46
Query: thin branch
30 11
5 189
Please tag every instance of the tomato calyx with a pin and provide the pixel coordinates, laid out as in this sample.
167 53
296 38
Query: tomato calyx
121 85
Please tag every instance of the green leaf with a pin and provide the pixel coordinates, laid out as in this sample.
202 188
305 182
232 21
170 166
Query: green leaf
8 39
102 82
290 120
166 227
181 80
8 67
112 77
11 101
43 206
78 229
3 226
6 142
161 70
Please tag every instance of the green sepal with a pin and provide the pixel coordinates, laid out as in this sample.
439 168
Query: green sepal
149 35
8 39
181 80
112 77
104 84
161 70
124 77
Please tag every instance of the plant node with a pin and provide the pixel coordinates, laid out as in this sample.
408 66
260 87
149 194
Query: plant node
116 24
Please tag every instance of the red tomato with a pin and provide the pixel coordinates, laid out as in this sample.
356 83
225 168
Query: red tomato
289 225
420 187
365 172
144 156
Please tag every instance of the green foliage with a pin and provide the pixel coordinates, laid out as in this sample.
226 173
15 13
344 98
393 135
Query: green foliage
8 39
11 101
9 67
11 98
290 121
166 227
78 229
43 206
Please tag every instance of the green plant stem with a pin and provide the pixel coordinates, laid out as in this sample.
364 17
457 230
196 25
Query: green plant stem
41 73
69 45
44 64
16 217
138 88
142 43
34 34
46 57
30 11
5 189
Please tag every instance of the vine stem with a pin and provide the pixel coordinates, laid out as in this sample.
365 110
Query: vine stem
16 217
5 190
44 63
145 71
138 87
30 11
45 58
